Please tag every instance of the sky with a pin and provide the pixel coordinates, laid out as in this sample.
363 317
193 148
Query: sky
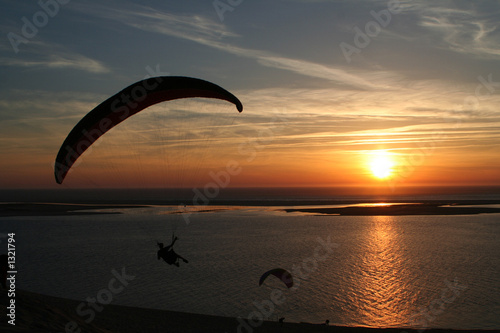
328 88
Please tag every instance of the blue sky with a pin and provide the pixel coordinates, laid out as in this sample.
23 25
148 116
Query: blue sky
427 75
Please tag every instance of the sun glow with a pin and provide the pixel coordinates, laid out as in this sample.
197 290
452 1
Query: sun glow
381 164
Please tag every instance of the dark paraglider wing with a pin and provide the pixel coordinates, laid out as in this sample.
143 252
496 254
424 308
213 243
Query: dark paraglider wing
125 104
281 274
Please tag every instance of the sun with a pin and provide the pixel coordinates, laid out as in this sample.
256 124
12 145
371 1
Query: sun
381 164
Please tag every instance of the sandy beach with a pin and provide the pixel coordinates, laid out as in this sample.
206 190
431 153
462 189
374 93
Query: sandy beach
427 208
47 209
41 313
399 210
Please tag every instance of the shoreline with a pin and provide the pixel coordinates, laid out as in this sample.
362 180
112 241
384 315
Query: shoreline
393 208
56 209
42 313
400 210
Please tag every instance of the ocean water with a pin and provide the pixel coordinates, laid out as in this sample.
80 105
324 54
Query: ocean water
380 271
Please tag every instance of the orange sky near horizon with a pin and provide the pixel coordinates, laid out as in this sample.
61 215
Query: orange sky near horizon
425 90
263 167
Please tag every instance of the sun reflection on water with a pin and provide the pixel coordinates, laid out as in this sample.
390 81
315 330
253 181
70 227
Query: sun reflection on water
383 284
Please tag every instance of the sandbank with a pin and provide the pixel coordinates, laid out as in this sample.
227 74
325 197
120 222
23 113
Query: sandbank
49 209
399 210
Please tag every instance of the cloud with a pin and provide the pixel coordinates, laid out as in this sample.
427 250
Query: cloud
192 27
45 55
420 113
472 30
66 61
212 34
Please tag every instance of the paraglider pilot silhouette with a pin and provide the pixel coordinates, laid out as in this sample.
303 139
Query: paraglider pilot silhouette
168 254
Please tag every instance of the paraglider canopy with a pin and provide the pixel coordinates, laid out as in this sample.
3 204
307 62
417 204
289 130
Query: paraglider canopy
281 274
125 104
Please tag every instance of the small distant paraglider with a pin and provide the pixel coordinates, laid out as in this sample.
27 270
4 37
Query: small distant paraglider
281 274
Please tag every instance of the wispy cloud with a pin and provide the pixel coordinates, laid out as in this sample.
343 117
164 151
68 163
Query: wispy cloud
423 113
464 30
67 61
192 27
45 55
213 34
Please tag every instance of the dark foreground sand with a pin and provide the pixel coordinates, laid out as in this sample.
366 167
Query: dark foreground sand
40 313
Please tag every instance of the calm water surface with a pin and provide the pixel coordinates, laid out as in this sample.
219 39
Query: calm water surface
398 271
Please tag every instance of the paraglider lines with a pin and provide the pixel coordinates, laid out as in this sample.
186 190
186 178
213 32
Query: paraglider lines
125 104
